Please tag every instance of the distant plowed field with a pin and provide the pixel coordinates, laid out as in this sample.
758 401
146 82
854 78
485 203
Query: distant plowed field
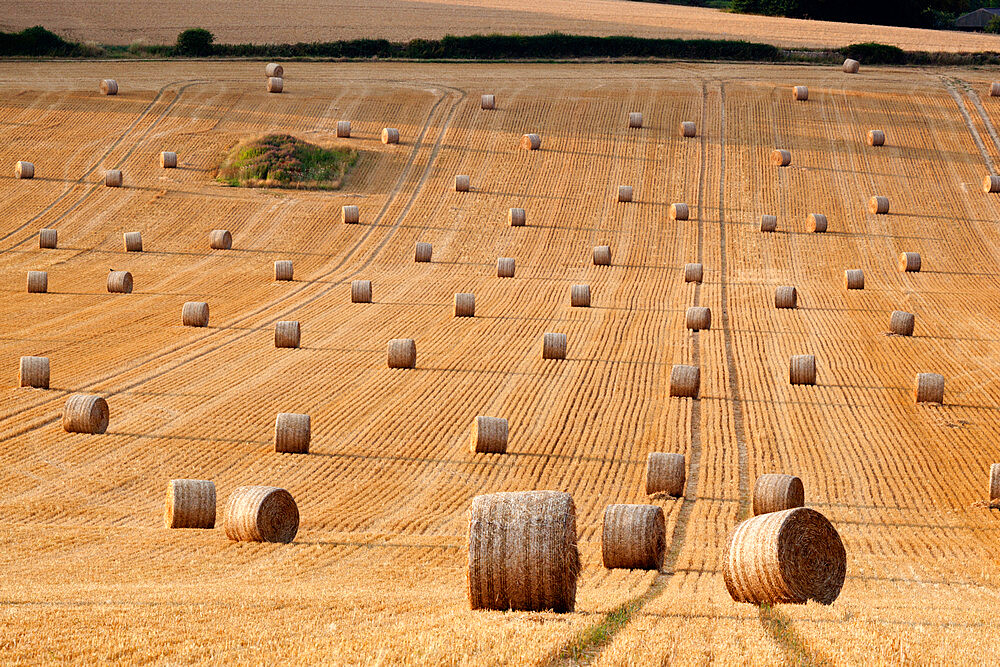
377 571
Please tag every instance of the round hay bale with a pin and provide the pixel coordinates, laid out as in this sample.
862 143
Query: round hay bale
634 120
489 435
283 269
688 129
168 160
791 556
802 369
994 485
190 504
505 267
38 282
34 372
685 381
261 514
109 87
462 183
292 433
344 129
800 93
194 314
679 211
113 178
423 252
991 183
854 279
817 223
390 135
120 282
665 473
24 170
901 323
488 102
522 551
516 217
876 138
350 215
929 388
48 238
465 304
774 493
85 413
634 537
579 296
361 291
786 296
275 84
624 193
768 223
693 273
699 318
851 66
133 241
402 353
602 255
554 346
274 69
995 89
287 334
878 205
909 261
220 239
531 142
781 157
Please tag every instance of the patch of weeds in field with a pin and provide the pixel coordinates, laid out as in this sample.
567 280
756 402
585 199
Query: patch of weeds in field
285 161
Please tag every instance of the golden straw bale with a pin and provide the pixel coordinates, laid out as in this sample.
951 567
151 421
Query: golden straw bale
489 435
402 353
995 486
287 334
665 473
465 304
423 252
791 556
554 346
488 102
48 238
901 323
876 138
283 269
688 129
929 388
800 93
190 503
168 160
817 223
292 433
991 183
679 211
634 120
602 255
463 183
505 267
802 369
624 193
113 178
768 223
909 261
786 296
133 241
516 217
194 314
693 273
38 282
781 157
85 413
24 170
261 514
878 205
851 66
854 279
275 84
109 87
120 282
579 296
361 291
522 551
344 129
633 537
350 215
698 318
995 89
274 69
775 492
34 372
685 381
220 239
531 142
390 135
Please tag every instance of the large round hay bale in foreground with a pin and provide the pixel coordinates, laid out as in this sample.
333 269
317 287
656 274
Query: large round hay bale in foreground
287 334
422 252
817 223
109 87
261 514
791 556
85 413
463 183
168 160
489 435
800 93
516 217
909 261
876 138
488 102
361 291
350 215
120 282
283 269
781 157
802 369
851 66
633 537
402 353
854 279
635 120
531 142
685 381
522 551
624 193
878 205
34 372
768 223
693 273
465 304
901 323
786 296
344 129
220 239
274 69
505 267
194 314
390 135
554 346
24 170
666 472
995 89
579 296
602 255
775 492
48 239
38 282
929 388
991 183
275 84
190 504
679 211
995 486
699 318
133 241
688 129
113 178
292 433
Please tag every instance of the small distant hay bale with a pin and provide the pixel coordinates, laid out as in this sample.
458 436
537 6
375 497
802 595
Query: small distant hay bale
878 205
665 473
781 157
465 304
634 537
901 323
909 261
688 129
768 223
261 514
423 252
109 87
699 318
635 120
851 66
800 93
802 369
350 215
786 296
344 129
283 269
624 193
775 492
554 346
390 135
38 282
522 552
995 485
113 178
505 267
579 296
85 413
190 503
679 211
34 372
489 435
275 84
292 433
693 273
791 556
168 160
929 388
854 279
133 241
817 223
48 239
287 334
531 142
24 170
991 183
361 291
995 89
402 353
516 217
876 138
120 282
602 255
274 69
462 183
194 314
220 239
488 102
685 381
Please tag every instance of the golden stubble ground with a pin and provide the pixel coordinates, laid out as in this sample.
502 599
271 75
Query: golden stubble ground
377 571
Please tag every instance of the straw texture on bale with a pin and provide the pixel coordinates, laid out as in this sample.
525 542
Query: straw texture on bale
190 503
361 291
991 183
462 183
350 215
402 353
38 282
133 241
34 372
48 238
274 69
531 142
423 252
851 66
465 304
554 346
602 255
929 388
624 193
344 129
768 223
24 170
516 217
876 138
688 129
168 160
220 239
693 273
109 87
489 435
909 261
800 93
817 223
679 211
995 485
878 205
802 369
390 135
901 323
665 473
194 314
786 296
854 279
775 492
698 318
781 157
120 282
995 89
791 556
261 514
522 551
287 334
579 296
113 178
488 102
292 433
635 119
505 267
275 84
85 413
283 269
633 537
685 381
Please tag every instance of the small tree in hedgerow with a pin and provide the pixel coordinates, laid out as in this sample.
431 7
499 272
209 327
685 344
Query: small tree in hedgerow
195 42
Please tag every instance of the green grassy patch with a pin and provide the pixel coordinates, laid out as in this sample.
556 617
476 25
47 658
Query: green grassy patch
284 161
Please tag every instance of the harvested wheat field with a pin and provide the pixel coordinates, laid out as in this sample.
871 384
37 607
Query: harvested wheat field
376 572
